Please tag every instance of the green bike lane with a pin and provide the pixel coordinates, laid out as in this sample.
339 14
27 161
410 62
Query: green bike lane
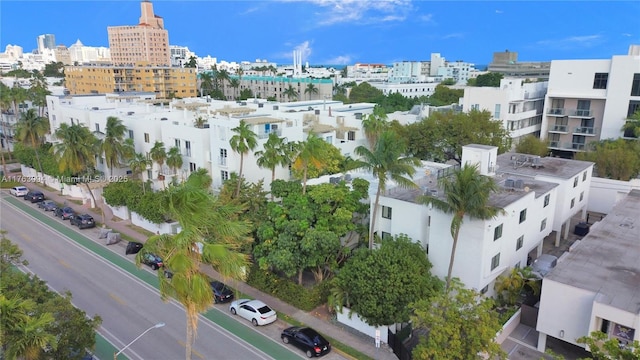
104 349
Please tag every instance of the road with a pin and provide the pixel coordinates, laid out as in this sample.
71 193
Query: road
124 296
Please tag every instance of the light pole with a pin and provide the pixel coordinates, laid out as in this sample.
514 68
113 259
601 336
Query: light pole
158 325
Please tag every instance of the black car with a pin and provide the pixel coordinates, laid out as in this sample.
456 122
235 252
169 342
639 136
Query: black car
152 260
48 205
307 340
221 293
133 248
34 196
83 221
65 213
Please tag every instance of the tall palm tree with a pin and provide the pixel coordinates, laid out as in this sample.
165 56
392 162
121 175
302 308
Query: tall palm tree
174 160
291 92
311 89
374 124
38 91
222 76
112 146
386 162
467 194
30 131
158 154
138 165
309 152
18 96
235 84
27 336
5 105
206 83
242 142
275 153
207 222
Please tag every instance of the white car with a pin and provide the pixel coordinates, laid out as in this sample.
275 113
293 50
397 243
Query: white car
19 191
253 310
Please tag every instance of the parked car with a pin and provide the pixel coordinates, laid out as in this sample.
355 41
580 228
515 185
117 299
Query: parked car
133 248
84 221
65 213
19 191
221 293
307 340
48 205
34 196
253 310
152 260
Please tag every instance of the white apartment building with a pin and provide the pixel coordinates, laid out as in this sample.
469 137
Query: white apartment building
589 100
275 86
408 90
596 285
359 72
533 199
81 54
517 104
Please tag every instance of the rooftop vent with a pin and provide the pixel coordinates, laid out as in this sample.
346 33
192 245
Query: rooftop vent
275 107
131 112
509 183
205 126
163 119
95 108
535 162
519 184
317 112
260 105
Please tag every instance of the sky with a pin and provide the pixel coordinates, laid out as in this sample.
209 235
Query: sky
345 32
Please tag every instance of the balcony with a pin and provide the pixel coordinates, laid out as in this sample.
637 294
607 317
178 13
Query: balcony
557 112
580 113
587 131
578 146
558 129
567 146
265 134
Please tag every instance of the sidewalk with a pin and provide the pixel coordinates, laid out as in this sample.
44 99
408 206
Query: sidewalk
360 342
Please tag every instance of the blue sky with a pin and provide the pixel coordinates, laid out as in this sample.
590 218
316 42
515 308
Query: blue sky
345 31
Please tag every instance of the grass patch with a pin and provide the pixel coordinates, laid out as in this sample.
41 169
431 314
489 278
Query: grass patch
77 202
116 219
8 184
142 231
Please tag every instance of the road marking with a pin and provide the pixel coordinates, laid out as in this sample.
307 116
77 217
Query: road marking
26 237
194 352
117 299
64 263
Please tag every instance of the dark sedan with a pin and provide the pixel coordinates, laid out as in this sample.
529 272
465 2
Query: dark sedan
48 205
65 213
307 340
221 293
34 196
152 260
83 221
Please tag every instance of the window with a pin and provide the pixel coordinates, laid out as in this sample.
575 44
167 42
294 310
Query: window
517 265
523 216
484 290
351 135
386 212
496 112
497 232
149 174
543 224
146 138
584 176
519 242
575 182
97 127
600 80
187 145
546 200
224 175
573 202
495 261
581 196
130 134
429 221
635 85
634 107
386 236
192 167
177 144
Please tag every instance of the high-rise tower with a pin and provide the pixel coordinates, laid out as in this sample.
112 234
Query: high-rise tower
46 41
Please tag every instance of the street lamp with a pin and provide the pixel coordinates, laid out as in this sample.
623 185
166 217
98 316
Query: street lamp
158 325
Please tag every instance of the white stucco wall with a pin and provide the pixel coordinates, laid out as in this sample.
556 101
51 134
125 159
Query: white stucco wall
605 193
354 321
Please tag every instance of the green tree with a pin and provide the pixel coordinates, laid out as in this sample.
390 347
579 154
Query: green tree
192 63
235 84
246 94
364 92
138 165
174 160
309 153
614 159
370 281
54 69
158 154
532 145
604 348
291 92
461 324
112 146
222 76
28 334
374 124
444 95
200 122
311 89
244 141
203 220
31 130
386 160
206 83
631 127
276 152
466 194
448 81
490 79
509 287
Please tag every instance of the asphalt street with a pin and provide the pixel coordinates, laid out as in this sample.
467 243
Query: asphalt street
107 283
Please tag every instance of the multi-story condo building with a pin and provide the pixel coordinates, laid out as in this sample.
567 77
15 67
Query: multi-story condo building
409 90
506 63
46 41
596 285
61 53
275 87
538 196
166 82
80 54
379 72
589 100
519 105
146 42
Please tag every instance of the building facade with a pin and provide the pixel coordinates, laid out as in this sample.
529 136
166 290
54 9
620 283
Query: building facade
165 82
146 42
506 63
589 100
46 41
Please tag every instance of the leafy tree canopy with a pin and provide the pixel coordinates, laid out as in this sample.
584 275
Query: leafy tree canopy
54 69
364 92
603 348
532 145
615 159
490 79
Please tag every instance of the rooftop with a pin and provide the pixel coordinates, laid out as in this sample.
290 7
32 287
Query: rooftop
607 260
525 165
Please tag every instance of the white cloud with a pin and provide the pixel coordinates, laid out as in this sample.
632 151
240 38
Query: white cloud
499 12
426 17
627 35
573 41
250 10
453 36
338 60
360 11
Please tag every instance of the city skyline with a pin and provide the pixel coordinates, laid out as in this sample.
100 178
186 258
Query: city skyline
343 32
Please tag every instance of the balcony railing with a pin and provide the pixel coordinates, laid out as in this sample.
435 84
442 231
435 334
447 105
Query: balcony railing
559 128
585 130
557 111
580 113
567 146
577 146
554 144
265 134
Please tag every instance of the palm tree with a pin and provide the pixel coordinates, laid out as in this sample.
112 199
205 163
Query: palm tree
199 122
291 92
27 335
204 220
222 76
17 96
158 154
206 82
235 84
632 125
309 152
467 194
275 153
174 160
30 131
112 146
242 142
374 124
385 161
138 165
311 89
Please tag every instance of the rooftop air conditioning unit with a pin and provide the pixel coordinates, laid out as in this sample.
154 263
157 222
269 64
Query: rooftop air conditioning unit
163 119
95 108
317 112
131 112
275 107
509 183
